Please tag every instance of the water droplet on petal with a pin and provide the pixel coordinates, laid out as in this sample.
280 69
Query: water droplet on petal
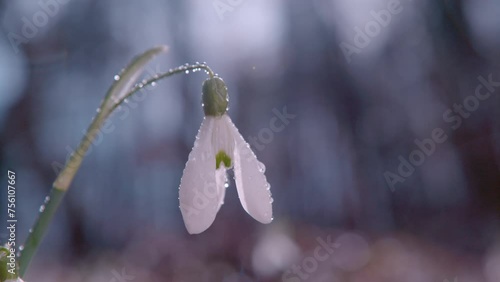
21 247
42 208
262 167
117 77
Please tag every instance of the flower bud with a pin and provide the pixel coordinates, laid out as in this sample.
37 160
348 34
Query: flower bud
8 265
214 97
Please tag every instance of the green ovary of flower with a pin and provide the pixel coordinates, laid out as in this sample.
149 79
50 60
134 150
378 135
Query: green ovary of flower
224 158
214 96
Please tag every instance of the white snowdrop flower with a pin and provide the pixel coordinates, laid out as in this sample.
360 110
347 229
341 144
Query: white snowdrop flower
218 147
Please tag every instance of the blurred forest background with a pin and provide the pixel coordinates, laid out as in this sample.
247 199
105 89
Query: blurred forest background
355 116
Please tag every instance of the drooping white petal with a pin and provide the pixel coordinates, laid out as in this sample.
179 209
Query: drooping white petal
199 193
251 183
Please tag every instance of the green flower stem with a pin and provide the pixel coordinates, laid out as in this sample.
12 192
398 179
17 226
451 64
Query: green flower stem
38 230
177 70
59 188
117 94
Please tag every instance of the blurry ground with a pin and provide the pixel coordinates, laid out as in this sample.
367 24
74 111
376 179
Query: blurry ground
278 256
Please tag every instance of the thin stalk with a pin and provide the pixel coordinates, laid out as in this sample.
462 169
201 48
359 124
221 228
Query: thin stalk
177 70
38 231
65 177
59 188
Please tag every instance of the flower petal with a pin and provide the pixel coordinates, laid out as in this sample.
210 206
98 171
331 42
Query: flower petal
221 182
199 193
223 139
253 188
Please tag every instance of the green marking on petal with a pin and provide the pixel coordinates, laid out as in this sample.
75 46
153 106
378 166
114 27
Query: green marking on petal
224 158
